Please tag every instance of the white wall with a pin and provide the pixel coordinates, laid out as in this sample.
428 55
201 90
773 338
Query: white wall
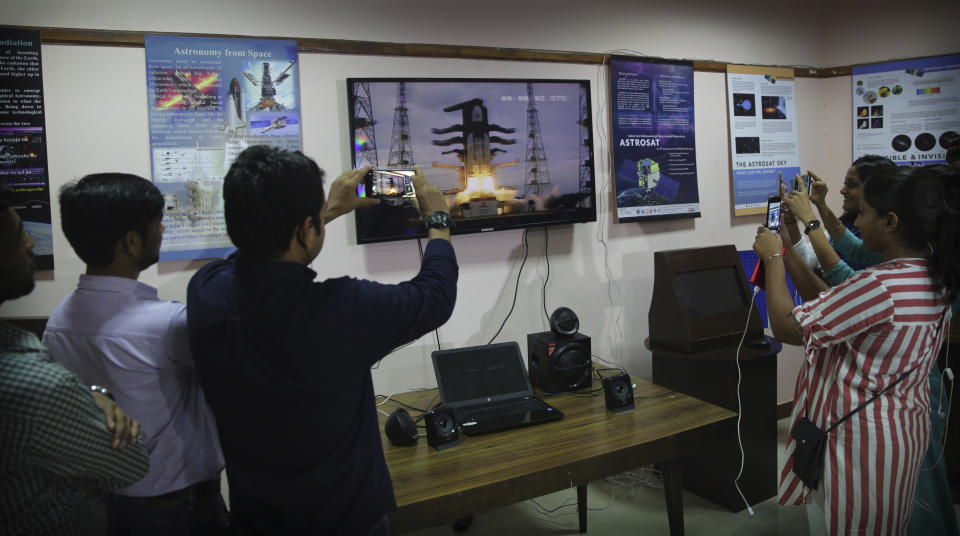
96 121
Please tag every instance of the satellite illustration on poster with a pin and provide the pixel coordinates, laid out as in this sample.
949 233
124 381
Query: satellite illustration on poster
654 153
906 110
208 100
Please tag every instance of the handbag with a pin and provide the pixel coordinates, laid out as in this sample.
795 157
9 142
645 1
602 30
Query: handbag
811 442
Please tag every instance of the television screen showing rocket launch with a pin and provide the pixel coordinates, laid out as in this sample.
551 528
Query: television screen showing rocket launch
506 154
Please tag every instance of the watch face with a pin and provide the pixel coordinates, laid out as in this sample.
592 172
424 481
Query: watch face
438 220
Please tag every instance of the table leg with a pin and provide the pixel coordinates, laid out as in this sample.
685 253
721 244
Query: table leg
673 488
582 507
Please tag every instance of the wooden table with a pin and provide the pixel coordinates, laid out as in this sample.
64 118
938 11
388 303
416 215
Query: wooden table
590 442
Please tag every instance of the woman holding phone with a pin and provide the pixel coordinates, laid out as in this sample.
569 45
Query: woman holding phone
877 333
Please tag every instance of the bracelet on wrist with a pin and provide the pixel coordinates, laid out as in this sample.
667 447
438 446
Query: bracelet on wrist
103 391
771 257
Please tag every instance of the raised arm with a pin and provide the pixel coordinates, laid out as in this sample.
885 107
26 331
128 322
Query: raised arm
799 204
779 304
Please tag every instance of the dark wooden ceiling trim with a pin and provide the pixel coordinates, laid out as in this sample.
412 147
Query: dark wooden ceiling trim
126 38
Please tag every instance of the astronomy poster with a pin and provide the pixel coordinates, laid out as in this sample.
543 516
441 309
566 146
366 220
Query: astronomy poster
654 154
762 113
23 144
906 110
208 100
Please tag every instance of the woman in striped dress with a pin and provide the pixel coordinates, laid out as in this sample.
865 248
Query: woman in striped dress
878 326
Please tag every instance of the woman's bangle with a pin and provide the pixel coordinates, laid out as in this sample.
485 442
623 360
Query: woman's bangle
772 256
836 229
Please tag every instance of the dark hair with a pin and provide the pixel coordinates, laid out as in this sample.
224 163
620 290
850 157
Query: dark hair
267 193
953 149
97 210
866 165
915 195
4 195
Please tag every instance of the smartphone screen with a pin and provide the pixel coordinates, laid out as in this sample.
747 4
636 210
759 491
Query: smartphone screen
386 183
807 179
773 213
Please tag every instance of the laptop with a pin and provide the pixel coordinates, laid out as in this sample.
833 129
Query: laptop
488 390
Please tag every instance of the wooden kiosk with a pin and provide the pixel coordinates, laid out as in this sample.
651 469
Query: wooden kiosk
700 311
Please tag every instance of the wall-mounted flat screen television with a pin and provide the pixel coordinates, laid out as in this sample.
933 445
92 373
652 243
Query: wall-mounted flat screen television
506 153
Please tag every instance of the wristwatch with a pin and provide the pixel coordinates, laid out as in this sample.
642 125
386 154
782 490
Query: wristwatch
811 225
102 390
439 220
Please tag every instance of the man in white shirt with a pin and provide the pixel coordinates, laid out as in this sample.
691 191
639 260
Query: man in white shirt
115 332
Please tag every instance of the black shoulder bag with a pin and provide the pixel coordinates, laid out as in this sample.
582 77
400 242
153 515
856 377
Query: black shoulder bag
811 442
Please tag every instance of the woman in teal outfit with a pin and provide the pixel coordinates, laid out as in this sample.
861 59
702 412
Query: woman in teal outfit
933 511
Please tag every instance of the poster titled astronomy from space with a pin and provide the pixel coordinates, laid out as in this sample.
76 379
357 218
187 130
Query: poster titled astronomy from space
208 99
654 155
906 110
762 113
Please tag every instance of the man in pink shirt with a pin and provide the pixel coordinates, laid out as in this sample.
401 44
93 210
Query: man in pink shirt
113 331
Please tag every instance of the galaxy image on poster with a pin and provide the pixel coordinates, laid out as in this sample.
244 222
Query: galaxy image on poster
654 153
23 145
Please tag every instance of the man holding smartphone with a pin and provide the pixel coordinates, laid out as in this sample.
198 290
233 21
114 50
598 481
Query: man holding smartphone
285 358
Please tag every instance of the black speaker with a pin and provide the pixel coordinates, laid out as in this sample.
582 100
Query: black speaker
400 428
618 392
441 429
564 322
557 364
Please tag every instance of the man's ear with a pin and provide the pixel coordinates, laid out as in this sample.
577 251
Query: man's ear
131 243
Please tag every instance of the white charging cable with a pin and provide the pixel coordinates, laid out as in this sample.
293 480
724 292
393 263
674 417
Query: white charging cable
736 481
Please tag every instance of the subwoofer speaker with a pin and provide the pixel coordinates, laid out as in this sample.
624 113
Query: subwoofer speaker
441 429
559 363
618 392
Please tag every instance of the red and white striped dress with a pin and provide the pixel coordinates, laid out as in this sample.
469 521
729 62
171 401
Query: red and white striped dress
860 336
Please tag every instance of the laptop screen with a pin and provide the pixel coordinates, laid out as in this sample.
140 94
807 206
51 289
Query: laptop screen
481 373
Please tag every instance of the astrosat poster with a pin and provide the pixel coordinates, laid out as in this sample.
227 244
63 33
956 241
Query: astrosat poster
762 113
208 100
654 154
906 110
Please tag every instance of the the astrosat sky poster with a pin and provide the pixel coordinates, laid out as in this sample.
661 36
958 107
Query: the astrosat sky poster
208 100
654 155
762 111
906 110
23 143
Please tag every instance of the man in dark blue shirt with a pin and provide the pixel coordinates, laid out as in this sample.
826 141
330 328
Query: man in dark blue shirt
285 360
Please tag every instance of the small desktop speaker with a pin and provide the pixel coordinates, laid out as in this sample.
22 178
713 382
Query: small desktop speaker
400 428
559 360
441 429
618 392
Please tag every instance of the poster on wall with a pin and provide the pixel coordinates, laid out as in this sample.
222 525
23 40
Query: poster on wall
906 110
654 154
762 112
208 99
23 143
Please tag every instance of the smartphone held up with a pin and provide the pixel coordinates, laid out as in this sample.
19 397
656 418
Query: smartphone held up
387 184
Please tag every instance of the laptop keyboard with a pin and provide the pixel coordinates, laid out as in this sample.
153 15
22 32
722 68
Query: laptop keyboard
499 410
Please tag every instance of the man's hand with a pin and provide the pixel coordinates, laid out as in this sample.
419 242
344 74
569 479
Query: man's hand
799 203
767 244
125 430
818 190
429 198
342 197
